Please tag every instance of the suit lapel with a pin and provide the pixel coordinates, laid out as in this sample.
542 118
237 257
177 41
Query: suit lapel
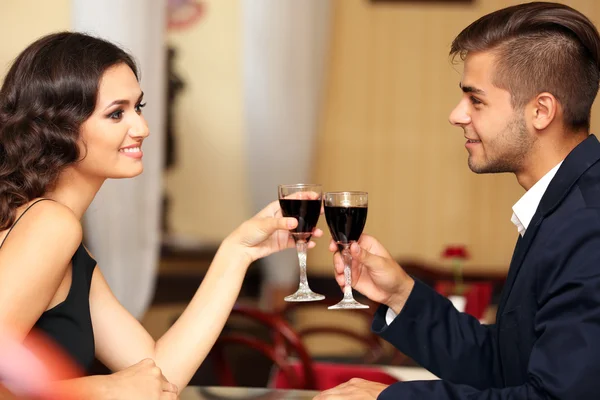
523 245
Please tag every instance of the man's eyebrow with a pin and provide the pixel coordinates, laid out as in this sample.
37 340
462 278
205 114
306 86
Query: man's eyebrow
471 89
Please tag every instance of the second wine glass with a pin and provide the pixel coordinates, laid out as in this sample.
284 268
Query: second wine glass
303 202
346 215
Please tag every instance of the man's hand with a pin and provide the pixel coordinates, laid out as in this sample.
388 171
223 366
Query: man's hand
354 389
375 273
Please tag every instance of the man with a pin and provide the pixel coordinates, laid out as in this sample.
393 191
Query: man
531 74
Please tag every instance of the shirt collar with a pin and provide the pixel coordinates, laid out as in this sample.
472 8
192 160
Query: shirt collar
524 209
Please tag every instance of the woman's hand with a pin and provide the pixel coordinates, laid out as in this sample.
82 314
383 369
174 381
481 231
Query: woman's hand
266 233
142 381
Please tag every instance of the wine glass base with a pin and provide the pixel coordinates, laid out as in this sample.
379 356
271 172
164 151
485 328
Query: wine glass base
304 295
350 304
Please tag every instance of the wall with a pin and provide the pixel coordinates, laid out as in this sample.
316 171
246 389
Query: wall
23 21
208 185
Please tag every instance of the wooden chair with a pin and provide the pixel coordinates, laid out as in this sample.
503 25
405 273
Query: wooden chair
374 351
293 367
297 378
329 374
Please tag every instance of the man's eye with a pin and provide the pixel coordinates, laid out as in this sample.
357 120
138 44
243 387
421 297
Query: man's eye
475 100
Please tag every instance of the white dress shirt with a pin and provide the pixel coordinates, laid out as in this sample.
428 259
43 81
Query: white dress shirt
523 212
527 205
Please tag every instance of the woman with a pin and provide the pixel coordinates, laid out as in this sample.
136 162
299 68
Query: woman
70 118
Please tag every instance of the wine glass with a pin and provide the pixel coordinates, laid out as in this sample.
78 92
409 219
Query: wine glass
346 215
303 202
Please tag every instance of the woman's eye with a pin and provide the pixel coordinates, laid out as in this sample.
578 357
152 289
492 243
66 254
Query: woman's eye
139 107
116 114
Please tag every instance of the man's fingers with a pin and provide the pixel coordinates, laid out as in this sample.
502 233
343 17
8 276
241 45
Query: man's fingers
369 260
338 263
338 266
338 392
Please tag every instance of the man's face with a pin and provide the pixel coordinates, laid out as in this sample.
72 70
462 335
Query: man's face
497 136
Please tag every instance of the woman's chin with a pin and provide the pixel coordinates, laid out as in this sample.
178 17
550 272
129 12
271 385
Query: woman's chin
129 173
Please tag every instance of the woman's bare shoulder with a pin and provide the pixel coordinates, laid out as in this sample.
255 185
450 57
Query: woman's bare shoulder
46 223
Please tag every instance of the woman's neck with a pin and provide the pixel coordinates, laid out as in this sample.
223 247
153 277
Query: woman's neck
75 190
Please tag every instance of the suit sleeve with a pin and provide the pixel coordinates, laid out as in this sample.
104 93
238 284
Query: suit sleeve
565 359
452 345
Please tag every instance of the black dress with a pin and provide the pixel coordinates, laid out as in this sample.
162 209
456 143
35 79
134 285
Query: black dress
69 323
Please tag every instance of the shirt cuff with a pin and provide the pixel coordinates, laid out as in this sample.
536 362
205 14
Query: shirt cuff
390 315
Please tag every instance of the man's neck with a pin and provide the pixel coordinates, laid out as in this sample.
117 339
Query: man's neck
546 155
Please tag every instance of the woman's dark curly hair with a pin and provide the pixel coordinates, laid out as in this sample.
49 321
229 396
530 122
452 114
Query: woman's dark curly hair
49 91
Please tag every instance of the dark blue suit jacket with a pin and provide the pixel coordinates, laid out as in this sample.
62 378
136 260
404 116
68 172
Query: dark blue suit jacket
546 340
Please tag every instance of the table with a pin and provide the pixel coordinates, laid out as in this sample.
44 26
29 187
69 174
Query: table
238 393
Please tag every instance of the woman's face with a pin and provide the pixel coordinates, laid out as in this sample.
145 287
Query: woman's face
111 138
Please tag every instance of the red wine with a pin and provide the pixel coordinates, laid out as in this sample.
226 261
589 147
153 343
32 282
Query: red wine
346 223
305 211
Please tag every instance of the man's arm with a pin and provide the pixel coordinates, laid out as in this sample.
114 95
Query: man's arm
429 329
564 362
452 345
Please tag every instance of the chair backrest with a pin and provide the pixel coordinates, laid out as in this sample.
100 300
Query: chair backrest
374 350
274 352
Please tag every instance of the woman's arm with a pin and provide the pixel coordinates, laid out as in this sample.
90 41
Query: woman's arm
122 341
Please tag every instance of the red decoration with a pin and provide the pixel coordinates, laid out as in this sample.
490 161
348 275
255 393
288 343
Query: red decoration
456 252
184 13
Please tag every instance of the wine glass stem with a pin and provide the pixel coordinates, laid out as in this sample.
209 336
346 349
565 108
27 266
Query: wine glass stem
301 246
347 257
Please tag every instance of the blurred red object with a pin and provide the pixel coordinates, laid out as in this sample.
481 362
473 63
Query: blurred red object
478 295
28 369
456 251
329 375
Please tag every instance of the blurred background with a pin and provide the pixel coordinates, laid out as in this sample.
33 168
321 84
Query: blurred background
246 94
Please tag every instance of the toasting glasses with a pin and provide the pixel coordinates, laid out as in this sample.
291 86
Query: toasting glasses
303 202
346 215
